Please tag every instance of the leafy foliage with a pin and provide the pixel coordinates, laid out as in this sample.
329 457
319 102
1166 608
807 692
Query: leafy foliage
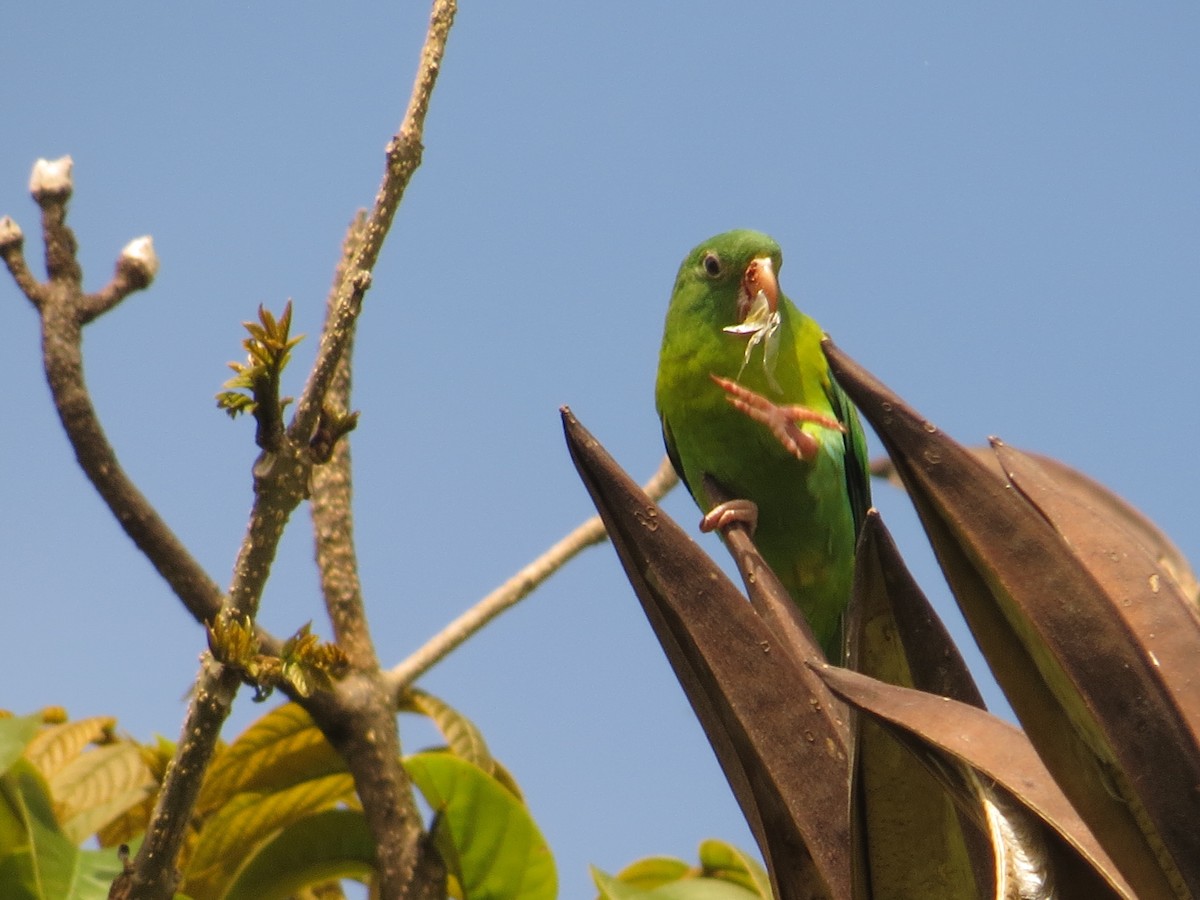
269 349
491 846
305 662
254 388
277 813
724 873
38 860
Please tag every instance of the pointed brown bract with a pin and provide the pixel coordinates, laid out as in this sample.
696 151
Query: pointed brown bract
780 746
913 837
955 739
1068 638
1102 501
929 822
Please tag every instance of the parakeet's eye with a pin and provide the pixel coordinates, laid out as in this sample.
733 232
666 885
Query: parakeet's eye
712 264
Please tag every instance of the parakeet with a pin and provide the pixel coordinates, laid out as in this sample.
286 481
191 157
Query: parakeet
745 395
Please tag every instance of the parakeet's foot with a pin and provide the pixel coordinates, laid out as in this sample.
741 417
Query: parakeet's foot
782 420
731 511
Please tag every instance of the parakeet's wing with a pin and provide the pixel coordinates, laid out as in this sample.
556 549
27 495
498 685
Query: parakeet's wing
673 453
858 477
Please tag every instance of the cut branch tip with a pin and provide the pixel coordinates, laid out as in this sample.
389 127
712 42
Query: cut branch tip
51 180
11 235
138 261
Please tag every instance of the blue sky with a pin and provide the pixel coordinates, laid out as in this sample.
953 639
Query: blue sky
994 208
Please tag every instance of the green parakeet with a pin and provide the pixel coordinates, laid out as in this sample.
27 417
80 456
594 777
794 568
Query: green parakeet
745 395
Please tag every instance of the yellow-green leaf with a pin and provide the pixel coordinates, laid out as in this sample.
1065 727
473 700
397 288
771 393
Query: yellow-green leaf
98 786
461 734
333 844
729 863
655 871
57 746
282 748
235 832
611 888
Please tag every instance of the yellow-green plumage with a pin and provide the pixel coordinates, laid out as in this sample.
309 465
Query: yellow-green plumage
809 511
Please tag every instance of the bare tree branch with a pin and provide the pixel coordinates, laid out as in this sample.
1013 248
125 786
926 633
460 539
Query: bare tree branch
363 726
64 310
153 873
51 187
514 590
12 249
281 482
136 267
358 717
333 519
403 156
363 705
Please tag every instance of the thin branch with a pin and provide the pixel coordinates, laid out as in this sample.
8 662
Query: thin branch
335 338
64 310
281 480
63 360
136 267
361 723
12 249
153 873
51 186
515 589
333 518
403 156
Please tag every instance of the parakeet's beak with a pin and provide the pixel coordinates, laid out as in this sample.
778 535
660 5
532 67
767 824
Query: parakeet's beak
759 276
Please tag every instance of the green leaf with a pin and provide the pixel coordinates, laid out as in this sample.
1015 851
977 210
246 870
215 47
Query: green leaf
15 735
611 888
489 841
333 844
44 864
722 866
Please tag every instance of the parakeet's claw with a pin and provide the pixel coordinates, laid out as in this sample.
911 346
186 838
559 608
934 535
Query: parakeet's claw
725 514
784 421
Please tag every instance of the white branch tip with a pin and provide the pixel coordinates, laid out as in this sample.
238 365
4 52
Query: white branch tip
51 178
140 253
10 233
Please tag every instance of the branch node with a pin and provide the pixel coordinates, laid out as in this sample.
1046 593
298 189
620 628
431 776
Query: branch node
361 283
332 426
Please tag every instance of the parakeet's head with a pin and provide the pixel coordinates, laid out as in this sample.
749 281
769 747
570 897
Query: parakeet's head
721 279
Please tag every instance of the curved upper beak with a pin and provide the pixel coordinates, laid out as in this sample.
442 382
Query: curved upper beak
759 276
